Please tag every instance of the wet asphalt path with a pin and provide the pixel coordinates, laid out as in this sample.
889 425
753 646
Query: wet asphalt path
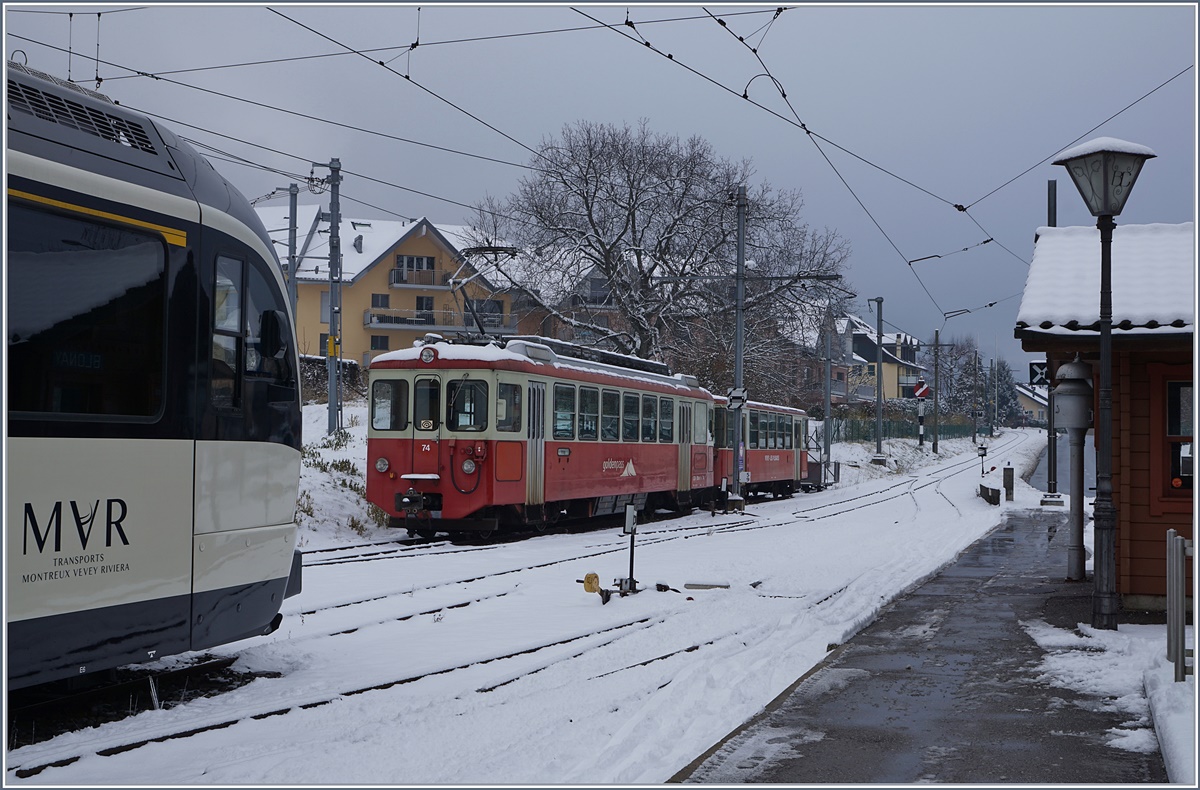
943 687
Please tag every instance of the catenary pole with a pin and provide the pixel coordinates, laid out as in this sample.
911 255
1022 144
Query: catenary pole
333 348
878 459
1051 431
739 342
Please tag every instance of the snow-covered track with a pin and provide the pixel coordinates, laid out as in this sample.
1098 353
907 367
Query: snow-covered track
201 724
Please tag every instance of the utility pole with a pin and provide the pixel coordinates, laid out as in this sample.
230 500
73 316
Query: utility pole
827 424
878 459
739 341
333 349
975 399
937 347
293 191
1051 431
992 416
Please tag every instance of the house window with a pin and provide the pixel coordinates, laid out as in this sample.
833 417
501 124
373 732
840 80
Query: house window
414 262
379 342
380 301
323 345
324 307
424 304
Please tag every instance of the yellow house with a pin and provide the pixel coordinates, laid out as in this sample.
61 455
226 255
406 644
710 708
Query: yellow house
1033 402
400 280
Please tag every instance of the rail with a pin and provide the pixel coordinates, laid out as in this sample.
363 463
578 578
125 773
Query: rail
1178 550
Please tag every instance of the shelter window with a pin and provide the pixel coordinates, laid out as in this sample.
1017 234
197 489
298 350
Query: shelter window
1179 435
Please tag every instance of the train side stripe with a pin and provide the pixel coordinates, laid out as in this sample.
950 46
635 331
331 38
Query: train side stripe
173 236
185 209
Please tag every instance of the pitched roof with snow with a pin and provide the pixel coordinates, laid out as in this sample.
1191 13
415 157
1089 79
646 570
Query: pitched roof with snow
364 242
1153 281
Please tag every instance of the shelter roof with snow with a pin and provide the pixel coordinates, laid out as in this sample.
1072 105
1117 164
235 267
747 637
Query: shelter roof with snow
1153 283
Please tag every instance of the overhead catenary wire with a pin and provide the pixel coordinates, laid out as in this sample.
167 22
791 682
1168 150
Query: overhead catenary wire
294 113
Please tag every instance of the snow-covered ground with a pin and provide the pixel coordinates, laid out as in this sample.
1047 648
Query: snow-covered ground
446 664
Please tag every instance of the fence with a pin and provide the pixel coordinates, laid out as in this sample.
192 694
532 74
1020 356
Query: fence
1178 550
864 430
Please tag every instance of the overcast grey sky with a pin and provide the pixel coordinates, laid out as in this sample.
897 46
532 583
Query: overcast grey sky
911 110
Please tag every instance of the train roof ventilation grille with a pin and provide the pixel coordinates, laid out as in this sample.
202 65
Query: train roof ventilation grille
60 110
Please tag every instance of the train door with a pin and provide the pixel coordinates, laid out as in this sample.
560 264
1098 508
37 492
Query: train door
535 456
426 424
685 448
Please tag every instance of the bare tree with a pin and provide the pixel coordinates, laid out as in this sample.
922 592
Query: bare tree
651 219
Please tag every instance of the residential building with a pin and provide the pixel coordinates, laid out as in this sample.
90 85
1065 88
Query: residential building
900 368
1033 400
1153 287
400 280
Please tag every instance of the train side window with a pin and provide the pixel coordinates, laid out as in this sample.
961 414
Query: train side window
268 344
86 308
717 432
389 405
228 346
467 405
564 411
785 432
752 439
508 407
773 431
427 404
589 412
629 417
649 418
666 419
700 423
610 416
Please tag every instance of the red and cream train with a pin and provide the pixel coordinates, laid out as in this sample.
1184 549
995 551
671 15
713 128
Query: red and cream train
478 438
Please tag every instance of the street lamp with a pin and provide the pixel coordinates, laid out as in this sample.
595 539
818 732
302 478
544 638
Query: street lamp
1104 171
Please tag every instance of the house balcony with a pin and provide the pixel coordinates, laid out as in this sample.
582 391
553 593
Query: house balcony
437 321
419 278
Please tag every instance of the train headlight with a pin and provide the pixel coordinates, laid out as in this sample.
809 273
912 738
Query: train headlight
381 465
428 355
468 466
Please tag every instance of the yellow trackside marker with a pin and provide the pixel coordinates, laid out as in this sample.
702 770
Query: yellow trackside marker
177 238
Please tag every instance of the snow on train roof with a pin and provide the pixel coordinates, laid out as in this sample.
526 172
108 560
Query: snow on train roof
493 353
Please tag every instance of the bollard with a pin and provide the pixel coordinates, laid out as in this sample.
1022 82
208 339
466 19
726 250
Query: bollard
1008 482
1178 549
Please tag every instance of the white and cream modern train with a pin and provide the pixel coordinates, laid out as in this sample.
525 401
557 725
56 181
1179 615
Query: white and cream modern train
153 403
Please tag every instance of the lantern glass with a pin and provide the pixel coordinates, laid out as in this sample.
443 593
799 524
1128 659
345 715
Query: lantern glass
1105 178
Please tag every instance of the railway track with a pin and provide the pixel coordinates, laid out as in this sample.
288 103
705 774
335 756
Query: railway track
515 661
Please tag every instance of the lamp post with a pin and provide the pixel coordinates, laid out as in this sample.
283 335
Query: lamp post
1104 171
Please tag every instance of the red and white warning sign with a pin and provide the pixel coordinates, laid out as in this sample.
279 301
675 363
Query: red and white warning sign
922 390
